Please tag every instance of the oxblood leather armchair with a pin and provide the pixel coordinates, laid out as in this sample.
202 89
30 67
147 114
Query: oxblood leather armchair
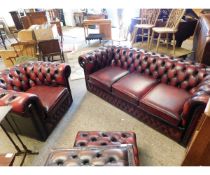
39 94
168 94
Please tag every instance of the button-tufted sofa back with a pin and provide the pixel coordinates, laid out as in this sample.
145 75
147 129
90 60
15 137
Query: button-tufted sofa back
24 76
172 71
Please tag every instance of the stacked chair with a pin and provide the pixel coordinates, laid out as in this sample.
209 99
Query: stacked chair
170 28
149 28
148 18
97 148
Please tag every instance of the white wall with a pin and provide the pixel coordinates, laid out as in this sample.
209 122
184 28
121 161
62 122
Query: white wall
69 16
4 13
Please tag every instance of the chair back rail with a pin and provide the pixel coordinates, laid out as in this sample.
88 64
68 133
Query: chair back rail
174 18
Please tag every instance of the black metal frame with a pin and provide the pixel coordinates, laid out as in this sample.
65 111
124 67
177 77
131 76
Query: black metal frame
19 152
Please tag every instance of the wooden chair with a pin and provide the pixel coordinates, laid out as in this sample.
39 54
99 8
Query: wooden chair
20 52
148 19
170 28
50 48
56 18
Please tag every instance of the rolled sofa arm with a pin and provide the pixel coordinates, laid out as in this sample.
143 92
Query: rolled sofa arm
96 59
199 97
18 100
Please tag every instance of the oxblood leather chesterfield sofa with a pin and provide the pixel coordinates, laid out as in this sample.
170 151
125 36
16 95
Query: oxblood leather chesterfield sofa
168 94
39 94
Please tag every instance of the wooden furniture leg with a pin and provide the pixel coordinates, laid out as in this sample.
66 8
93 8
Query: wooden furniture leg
148 38
151 40
167 40
134 35
142 36
174 43
158 42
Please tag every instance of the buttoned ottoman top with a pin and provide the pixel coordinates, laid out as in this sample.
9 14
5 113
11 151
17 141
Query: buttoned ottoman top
103 138
121 155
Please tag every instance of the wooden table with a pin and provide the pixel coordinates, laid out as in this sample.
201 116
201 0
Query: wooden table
4 110
104 27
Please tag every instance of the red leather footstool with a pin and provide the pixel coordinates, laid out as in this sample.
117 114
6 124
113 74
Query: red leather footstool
121 155
100 138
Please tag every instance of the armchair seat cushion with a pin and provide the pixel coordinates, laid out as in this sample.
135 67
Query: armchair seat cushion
133 86
104 78
167 105
48 95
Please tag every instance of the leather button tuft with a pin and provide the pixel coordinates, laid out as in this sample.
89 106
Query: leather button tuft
82 144
85 162
59 162
113 139
93 139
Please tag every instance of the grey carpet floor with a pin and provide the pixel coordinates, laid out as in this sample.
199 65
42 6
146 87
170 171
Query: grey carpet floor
89 112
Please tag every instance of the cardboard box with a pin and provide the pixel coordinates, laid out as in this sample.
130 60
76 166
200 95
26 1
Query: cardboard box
45 31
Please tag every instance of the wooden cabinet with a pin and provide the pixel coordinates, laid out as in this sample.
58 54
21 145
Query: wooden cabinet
198 150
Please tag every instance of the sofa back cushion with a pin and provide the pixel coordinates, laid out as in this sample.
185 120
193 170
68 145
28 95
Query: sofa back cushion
172 71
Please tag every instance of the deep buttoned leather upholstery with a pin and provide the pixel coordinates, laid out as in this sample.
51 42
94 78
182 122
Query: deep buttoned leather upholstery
39 93
107 76
98 156
189 80
104 138
133 86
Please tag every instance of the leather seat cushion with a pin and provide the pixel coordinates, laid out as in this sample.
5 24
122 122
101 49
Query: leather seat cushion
48 95
165 102
133 86
105 77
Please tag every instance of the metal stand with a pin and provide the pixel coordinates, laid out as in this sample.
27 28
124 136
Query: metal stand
19 152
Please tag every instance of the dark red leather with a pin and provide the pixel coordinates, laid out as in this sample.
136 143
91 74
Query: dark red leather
185 76
104 138
18 100
133 86
48 101
105 77
36 113
22 77
165 102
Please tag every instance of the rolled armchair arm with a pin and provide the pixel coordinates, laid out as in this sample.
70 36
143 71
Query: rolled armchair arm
95 60
18 100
